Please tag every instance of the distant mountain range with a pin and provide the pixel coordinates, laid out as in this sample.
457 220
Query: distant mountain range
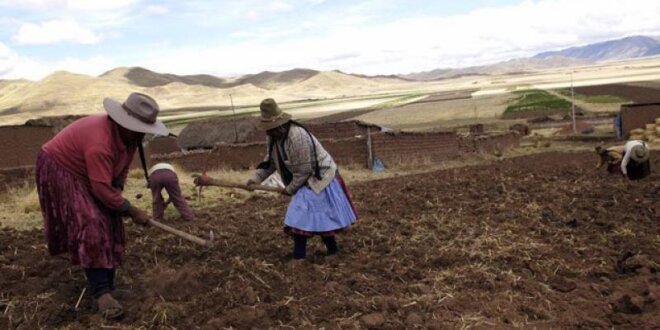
630 47
267 79
64 93
625 48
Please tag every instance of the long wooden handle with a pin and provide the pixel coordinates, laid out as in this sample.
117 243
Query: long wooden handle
229 184
181 234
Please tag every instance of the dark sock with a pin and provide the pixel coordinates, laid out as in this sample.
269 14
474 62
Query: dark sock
100 280
330 244
111 274
299 247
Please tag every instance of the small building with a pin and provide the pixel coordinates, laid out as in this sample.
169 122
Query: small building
637 115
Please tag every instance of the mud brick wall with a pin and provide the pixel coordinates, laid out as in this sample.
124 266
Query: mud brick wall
407 147
499 142
339 130
489 143
325 131
163 145
236 156
16 176
21 144
348 151
637 115
249 155
390 148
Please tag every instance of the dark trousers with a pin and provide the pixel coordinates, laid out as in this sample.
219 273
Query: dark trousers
166 179
100 280
300 245
638 171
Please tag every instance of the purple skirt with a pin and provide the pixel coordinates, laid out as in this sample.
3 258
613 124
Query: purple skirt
74 221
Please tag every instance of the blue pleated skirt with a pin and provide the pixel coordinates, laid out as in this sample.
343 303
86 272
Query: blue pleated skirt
326 212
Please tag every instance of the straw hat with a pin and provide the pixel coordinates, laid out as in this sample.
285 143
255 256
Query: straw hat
138 114
271 115
639 154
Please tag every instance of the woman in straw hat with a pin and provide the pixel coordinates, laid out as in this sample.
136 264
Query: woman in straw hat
321 203
80 177
635 163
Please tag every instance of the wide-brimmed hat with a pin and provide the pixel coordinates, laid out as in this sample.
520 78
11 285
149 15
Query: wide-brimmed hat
271 115
639 154
138 114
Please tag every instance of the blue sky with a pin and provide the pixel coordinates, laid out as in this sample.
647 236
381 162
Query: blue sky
229 38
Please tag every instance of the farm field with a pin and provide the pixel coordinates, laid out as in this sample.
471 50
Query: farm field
539 241
440 112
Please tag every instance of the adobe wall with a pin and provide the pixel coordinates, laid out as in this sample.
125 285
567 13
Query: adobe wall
638 115
407 147
163 145
249 155
338 130
16 176
237 156
21 144
388 147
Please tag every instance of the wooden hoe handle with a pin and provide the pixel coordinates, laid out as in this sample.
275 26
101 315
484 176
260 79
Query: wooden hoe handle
184 235
229 184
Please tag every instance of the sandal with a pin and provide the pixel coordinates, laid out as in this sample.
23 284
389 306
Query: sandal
111 310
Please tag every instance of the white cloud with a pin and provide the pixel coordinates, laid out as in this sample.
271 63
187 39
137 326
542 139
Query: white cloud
7 59
421 43
76 5
356 38
157 10
25 67
57 31
14 66
280 5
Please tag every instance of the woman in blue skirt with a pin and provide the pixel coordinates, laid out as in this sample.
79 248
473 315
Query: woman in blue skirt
321 204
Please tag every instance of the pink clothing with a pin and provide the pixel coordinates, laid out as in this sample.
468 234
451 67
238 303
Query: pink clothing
91 149
74 221
164 178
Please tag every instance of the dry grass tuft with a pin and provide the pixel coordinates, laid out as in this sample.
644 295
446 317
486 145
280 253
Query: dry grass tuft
19 207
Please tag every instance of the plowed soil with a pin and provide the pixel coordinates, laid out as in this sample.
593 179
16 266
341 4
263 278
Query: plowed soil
540 241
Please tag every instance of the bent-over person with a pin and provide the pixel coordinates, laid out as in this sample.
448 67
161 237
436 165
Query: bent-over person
631 159
636 164
321 203
163 176
80 176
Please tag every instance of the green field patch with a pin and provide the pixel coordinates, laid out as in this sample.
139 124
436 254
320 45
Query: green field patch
597 99
537 100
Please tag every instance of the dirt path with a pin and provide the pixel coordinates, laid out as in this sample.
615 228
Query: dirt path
589 107
539 241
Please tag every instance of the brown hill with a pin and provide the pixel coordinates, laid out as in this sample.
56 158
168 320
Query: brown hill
147 78
64 93
268 80
273 80
328 83
60 93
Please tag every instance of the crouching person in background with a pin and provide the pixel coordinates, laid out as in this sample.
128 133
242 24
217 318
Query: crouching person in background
631 160
163 176
611 157
636 164
80 176
321 203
